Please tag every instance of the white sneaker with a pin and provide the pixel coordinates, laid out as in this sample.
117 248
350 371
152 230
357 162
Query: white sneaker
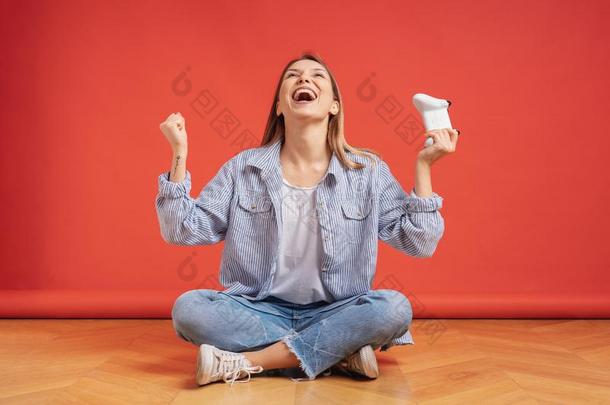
362 362
214 364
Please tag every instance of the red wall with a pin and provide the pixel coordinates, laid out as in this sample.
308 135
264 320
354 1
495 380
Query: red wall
86 84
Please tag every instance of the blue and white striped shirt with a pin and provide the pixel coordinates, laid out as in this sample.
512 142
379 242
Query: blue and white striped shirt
242 206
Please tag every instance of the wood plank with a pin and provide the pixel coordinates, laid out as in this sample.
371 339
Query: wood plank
117 361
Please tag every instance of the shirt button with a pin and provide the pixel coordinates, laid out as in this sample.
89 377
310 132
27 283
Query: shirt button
324 268
325 237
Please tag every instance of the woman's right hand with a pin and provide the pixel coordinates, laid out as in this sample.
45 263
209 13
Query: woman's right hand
174 130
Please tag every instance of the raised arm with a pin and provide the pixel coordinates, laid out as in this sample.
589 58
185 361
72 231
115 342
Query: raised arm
409 223
184 220
413 224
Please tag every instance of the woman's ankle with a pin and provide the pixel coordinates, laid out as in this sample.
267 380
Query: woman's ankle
253 358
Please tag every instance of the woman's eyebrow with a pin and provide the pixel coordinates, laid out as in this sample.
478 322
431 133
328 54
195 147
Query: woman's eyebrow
299 70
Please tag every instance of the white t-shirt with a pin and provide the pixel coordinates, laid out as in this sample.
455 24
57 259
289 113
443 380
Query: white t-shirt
297 278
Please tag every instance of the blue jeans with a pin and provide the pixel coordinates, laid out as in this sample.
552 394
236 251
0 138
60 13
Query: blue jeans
320 334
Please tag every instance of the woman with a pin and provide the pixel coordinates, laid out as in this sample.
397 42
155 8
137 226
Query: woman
300 216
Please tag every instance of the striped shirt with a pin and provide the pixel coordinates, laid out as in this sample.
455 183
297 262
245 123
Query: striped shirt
242 206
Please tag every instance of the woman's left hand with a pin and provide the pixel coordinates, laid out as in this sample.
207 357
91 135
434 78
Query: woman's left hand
445 142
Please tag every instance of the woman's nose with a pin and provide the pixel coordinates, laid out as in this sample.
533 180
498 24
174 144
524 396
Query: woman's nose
303 79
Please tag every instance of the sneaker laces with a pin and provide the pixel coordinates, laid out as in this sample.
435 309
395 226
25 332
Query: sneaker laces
234 365
346 365
353 362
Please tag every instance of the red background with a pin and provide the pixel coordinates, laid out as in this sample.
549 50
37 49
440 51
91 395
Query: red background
86 84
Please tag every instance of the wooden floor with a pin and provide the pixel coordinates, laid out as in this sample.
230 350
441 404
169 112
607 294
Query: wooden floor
90 361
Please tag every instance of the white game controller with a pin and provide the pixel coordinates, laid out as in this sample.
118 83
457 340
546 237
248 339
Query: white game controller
433 112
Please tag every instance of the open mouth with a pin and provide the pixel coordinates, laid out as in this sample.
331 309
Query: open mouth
304 95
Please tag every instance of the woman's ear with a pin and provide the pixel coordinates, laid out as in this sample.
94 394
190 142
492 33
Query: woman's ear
334 109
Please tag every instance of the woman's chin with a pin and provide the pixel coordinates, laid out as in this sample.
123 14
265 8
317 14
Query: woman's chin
305 115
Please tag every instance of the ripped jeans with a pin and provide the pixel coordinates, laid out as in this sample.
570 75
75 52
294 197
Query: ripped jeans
320 334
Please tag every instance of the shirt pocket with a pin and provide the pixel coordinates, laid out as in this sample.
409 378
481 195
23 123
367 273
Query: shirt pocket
356 219
253 214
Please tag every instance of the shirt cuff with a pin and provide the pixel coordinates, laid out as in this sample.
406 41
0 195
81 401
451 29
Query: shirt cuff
168 188
416 203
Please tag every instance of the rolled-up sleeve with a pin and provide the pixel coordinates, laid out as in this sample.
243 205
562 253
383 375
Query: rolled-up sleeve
184 220
409 223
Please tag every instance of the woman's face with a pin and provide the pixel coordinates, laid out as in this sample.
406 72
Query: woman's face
313 76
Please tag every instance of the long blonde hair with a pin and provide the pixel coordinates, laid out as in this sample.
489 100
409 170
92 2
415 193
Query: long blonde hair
275 128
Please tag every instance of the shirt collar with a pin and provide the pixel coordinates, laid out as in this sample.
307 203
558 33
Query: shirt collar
267 158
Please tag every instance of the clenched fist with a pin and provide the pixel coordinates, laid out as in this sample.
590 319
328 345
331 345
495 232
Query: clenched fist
174 130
